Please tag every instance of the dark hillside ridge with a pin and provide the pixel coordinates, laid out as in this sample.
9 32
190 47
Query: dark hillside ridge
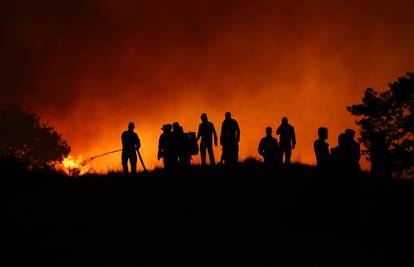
207 217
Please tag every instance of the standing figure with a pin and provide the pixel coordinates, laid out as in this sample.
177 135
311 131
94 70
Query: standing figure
321 149
178 140
206 132
340 155
130 144
165 149
287 139
269 149
353 151
185 148
229 139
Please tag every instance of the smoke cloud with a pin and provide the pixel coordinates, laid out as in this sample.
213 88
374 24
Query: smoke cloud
90 67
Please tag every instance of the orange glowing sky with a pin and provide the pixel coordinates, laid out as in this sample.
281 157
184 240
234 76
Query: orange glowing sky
90 67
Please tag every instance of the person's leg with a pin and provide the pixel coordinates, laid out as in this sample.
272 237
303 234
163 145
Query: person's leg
168 162
288 154
236 153
269 163
231 155
133 161
225 155
211 154
279 155
124 159
203 154
281 152
187 160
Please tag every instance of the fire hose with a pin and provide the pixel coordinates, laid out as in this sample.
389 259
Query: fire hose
111 152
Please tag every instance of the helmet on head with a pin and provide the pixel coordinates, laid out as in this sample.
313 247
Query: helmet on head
131 126
227 115
176 126
166 127
284 119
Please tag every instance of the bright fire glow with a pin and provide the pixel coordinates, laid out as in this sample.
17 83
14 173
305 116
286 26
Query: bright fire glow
75 166
160 63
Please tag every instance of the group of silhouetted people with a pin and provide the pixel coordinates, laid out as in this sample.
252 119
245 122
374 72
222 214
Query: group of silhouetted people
177 147
344 157
272 151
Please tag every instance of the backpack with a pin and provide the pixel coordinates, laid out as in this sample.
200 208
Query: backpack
192 143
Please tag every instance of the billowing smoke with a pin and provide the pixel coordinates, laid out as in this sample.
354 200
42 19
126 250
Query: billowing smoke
90 67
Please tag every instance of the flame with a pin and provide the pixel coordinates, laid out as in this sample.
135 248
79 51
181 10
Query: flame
75 166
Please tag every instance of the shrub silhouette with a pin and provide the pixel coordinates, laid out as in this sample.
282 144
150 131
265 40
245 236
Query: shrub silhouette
23 137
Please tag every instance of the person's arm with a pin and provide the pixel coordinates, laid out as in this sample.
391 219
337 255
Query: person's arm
293 138
138 142
123 138
278 130
214 134
160 148
198 133
221 134
260 148
237 132
315 149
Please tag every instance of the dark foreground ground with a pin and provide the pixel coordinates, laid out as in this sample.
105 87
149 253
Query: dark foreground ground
210 217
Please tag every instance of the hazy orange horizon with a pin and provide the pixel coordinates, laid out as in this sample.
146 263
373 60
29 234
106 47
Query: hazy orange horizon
90 67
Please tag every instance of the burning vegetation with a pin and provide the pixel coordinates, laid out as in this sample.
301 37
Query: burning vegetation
76 166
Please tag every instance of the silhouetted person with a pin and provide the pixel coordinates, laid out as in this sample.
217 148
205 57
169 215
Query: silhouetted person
321 149
340 156
165 147
185 148
206 132
179 143
130 144
287 139
229 139
269 149
353 151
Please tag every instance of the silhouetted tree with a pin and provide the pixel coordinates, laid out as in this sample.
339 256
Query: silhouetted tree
387 127
25 138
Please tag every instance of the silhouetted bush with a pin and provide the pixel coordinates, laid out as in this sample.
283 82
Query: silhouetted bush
24 138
